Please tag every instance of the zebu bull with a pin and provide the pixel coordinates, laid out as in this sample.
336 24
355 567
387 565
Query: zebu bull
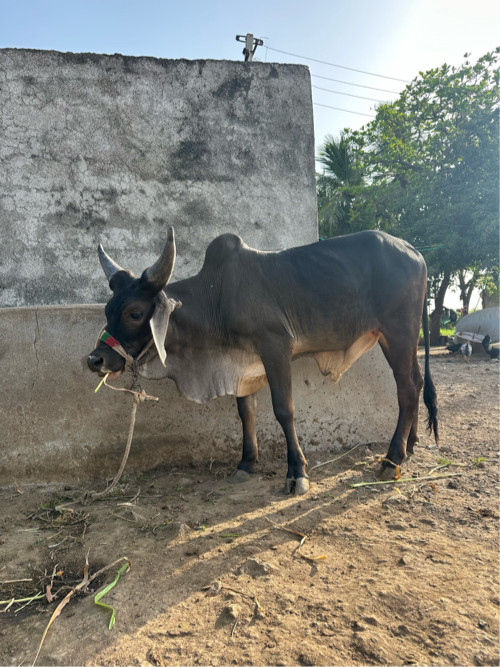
247 314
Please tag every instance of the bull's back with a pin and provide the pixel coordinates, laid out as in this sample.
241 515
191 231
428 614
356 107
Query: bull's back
371 260
324 295
345 286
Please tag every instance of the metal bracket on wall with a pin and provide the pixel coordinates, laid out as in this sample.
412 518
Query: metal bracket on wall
251 45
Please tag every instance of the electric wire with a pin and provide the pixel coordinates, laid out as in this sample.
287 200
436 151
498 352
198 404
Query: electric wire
358 85
323 62
327 106
338 92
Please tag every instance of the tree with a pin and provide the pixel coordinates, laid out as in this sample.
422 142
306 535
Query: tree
467 280
336 187
432 163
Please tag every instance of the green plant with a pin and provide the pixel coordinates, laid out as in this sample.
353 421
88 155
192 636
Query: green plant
478 461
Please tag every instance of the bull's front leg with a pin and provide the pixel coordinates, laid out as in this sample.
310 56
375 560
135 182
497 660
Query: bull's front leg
247 410
276 358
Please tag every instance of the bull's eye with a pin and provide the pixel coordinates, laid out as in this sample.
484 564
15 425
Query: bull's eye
135 315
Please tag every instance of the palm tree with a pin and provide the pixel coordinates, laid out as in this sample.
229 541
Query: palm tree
336 186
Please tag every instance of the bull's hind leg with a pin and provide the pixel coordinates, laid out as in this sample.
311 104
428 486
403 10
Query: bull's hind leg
247 410
402 357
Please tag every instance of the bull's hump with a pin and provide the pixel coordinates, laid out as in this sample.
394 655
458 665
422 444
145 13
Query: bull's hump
222 247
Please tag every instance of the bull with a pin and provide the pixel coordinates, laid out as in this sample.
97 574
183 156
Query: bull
239 323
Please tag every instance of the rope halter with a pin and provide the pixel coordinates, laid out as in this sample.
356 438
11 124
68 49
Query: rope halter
115 345
111 342
130 365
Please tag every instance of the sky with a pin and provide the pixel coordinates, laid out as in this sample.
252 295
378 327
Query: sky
369 49
392 39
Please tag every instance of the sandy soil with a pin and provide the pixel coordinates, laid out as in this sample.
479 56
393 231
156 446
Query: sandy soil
399 574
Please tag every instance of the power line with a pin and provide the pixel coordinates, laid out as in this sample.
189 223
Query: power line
317 104
323 62
358 85
337 92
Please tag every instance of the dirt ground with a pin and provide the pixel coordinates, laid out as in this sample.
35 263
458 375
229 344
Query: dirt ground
401 574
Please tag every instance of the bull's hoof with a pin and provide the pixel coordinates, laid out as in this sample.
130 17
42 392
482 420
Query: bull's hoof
301 486
298 486
387 472
240 476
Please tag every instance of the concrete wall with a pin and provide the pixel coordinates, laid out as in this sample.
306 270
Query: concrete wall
54 427
113 149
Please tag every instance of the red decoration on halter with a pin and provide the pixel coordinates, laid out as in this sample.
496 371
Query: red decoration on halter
109 340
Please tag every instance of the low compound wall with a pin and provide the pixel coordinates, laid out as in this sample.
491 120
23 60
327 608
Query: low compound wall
55 428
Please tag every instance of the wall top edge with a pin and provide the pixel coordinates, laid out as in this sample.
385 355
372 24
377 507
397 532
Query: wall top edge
12 310
85 58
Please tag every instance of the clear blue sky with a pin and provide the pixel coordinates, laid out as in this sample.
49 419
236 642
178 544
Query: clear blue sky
393 38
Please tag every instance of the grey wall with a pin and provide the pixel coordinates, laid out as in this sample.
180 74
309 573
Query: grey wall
55 428
114 149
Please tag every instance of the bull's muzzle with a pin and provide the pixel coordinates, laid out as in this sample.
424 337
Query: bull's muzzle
95 362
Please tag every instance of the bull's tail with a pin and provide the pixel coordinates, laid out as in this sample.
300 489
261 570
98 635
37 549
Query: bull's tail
429 388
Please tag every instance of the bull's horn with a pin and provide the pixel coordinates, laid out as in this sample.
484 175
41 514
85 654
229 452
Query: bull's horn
159 274
108 265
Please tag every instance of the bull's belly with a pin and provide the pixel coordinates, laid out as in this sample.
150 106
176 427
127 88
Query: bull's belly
331 363
206 375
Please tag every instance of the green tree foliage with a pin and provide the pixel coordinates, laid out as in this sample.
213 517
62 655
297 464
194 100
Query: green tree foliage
431 166
338 184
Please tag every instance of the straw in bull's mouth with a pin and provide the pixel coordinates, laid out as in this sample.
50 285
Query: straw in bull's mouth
100 383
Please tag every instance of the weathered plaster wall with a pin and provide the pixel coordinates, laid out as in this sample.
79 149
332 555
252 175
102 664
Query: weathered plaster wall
114 148
55 428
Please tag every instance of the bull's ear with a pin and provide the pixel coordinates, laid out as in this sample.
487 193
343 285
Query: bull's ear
159 322
158 275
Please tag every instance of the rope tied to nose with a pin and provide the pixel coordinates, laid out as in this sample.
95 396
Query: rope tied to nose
138 397
130 365
111 342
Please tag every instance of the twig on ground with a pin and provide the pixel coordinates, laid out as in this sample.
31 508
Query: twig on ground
83 584
312 559
258 607
38 596
12 601
288 530
448 465
303 537
318 465
401 480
